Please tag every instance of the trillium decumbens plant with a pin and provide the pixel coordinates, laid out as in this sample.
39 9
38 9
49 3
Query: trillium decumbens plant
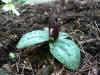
64 50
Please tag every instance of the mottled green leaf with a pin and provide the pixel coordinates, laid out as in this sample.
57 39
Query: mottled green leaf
66 52
32 38
46 29
63 35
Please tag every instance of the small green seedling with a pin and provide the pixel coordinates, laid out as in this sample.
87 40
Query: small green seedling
12 55
9 6
64 50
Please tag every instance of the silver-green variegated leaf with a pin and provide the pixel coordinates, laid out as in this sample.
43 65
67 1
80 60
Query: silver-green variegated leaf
63 35
66 52
32 38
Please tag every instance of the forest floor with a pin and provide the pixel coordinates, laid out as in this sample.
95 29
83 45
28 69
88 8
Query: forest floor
81 21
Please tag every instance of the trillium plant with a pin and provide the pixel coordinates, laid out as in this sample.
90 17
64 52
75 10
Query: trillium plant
9 6
64 50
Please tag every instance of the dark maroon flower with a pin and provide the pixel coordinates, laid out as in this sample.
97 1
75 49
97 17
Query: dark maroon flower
52 23
55 31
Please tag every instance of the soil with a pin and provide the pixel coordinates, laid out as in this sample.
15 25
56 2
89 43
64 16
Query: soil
81 21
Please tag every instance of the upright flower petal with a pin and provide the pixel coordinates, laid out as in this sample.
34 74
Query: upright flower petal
55 31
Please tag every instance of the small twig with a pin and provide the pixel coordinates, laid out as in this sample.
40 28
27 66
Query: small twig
60 71
86 69
95 30
17 67
88 41
97 26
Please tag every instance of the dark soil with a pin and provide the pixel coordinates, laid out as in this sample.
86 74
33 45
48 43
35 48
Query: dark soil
81 21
